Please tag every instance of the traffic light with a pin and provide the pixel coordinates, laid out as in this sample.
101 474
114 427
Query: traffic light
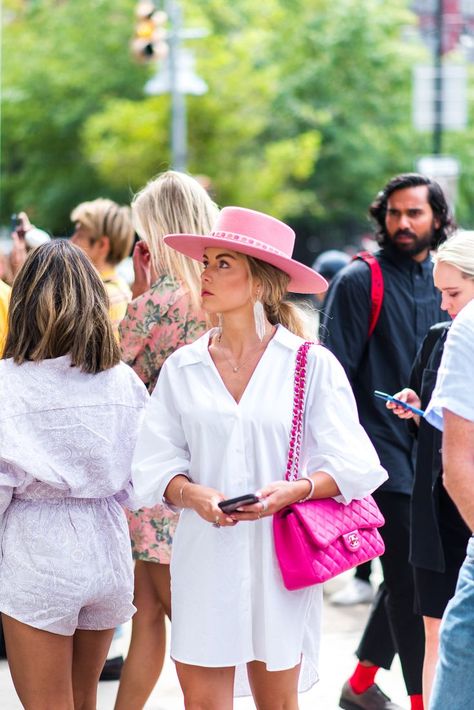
149 41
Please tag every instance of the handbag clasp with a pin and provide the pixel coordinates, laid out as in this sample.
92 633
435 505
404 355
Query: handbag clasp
352 540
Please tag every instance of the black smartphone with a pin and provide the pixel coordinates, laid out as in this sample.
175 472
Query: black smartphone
231 504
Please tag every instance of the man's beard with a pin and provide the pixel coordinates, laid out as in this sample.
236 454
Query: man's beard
416 245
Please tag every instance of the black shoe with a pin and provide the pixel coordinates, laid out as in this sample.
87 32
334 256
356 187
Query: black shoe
112 669
371 699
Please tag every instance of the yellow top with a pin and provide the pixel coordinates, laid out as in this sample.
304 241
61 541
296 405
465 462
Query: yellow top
119 295
4 301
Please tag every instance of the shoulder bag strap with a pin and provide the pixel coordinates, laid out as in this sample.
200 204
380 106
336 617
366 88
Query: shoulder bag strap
376 287
292 465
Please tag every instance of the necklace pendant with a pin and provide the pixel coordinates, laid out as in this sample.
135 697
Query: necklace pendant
235 369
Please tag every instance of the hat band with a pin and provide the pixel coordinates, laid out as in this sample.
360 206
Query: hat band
249 241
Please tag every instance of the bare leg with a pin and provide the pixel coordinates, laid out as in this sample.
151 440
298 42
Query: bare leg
146 654
431 655
273 690
90 650
206 688
40 663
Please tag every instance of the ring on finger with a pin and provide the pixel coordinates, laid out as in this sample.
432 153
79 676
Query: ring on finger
216 522
264 503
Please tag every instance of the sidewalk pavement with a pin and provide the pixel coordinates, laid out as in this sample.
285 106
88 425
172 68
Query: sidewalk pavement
342 627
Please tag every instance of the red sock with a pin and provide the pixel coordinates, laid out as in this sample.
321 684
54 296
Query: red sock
363 677
416 702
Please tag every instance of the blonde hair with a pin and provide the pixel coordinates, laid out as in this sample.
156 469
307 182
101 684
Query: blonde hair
458 251
105 218
59 306
174 203
273 287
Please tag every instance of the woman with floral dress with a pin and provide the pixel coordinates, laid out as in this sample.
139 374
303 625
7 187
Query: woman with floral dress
164 315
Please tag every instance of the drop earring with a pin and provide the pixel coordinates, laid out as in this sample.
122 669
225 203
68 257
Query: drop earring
259 317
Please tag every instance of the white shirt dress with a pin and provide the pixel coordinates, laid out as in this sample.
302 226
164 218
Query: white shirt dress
455 381
66 445
229 605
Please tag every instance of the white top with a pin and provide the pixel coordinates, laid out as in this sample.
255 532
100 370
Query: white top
455 382
70 430
229 602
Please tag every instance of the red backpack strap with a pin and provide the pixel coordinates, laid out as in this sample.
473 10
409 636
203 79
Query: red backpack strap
376 287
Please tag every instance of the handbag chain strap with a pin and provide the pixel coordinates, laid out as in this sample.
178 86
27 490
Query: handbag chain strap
293 462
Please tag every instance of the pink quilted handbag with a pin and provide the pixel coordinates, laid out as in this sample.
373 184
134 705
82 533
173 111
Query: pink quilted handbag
318 539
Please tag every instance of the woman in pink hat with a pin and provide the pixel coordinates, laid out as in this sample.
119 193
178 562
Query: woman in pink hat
218 427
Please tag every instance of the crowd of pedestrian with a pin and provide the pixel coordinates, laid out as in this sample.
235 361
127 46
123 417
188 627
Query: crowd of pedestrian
149 430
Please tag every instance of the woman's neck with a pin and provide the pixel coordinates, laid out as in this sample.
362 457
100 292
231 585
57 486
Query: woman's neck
238 334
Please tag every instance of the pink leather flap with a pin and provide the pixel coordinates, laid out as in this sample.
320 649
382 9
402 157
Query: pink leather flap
326 520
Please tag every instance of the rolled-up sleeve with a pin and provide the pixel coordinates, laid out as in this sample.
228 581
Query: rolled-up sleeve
334 440
455 381
161 451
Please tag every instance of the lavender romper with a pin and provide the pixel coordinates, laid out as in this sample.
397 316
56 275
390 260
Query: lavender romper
66 443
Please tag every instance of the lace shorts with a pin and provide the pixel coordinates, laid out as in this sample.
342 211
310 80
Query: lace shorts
65 564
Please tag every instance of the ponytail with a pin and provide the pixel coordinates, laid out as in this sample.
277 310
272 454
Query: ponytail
297 319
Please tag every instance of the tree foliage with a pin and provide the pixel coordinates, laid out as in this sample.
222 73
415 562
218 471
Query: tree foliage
308 111
63 62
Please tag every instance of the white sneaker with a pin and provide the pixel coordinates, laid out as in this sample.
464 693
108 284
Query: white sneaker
356 591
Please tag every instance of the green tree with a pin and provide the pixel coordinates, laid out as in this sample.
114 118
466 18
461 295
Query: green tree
348 76
63 61
308 111
229 137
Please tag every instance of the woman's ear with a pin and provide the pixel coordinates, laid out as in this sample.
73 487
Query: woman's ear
257 290
144 246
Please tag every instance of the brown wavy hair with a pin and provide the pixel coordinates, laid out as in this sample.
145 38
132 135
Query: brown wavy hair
59 306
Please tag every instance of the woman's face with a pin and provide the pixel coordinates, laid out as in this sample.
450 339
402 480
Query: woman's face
456 290
225 281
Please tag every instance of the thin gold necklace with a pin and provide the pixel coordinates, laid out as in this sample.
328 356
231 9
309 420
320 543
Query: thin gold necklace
236 368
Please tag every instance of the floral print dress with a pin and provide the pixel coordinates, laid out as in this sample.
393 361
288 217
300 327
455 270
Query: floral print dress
155 325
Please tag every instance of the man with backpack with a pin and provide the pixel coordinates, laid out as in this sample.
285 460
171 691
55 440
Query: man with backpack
377 312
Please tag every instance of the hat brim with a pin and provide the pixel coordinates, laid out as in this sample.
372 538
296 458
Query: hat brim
303 279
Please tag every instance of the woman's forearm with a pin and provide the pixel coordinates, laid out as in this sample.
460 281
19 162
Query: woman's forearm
175 490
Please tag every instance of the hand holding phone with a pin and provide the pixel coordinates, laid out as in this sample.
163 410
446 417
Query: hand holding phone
398 402
231 504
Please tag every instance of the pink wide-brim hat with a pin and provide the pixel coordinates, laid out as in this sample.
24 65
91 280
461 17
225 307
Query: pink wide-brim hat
254 234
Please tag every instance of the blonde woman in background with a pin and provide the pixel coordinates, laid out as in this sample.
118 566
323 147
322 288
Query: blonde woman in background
104 230
164 315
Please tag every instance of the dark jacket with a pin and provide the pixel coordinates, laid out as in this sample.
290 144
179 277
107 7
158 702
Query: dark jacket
426 545
410 306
